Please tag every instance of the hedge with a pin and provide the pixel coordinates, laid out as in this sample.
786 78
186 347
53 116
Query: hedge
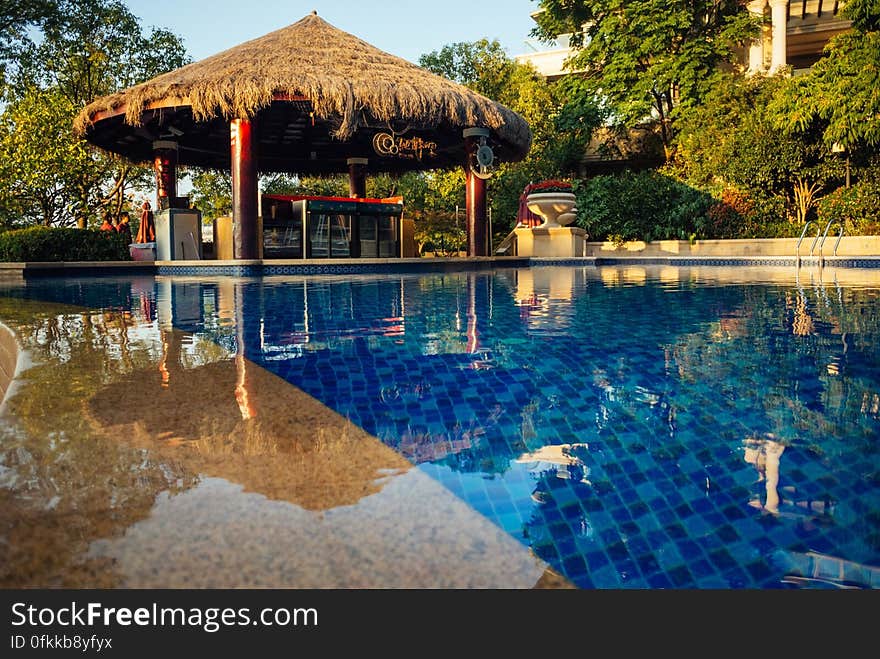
60 244
641 206
858 208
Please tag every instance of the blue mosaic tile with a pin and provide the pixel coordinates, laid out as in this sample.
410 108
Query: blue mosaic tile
736 578
675 530
659 581
681 577
689 549
702 568
648 564
606 577
722 559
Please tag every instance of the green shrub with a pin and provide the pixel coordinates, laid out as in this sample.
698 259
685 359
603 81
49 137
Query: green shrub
642 206
749 214
58 244
857 207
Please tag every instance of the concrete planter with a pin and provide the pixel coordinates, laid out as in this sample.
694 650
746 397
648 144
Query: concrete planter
557 208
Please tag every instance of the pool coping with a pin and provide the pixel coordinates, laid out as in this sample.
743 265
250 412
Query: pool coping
258 267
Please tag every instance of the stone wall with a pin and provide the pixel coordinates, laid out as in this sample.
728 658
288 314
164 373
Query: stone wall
849 246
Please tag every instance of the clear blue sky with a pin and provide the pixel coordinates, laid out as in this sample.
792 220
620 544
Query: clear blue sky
406 28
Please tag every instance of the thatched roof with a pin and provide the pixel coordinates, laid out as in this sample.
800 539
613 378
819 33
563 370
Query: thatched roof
307 78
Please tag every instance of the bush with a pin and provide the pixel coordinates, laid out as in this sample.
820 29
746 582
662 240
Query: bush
57 244
642 206
749 214
857 208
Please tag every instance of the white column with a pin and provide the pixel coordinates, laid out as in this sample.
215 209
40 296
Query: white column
779 13
756 48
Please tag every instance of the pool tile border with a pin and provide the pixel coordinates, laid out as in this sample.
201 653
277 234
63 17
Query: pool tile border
258 268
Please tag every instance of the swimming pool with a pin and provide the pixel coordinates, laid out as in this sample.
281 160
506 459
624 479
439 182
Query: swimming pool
632 427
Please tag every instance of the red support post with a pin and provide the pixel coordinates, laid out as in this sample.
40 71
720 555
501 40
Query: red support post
477 228
245 243
357 177
165 166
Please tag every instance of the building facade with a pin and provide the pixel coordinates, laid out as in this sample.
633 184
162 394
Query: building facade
794 33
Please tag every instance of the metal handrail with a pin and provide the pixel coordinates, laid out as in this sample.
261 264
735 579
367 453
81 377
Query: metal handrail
825 235
797 251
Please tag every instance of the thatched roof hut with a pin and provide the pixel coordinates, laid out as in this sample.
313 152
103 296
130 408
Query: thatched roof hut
319 95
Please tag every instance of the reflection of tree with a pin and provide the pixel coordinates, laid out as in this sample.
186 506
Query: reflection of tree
809 378
65 486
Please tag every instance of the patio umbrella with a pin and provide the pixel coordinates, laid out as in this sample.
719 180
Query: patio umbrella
525 217
147 229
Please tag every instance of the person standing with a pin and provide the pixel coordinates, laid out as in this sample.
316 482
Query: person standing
124 228
107 224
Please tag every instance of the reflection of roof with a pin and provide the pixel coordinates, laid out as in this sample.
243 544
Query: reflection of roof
322 86
284 445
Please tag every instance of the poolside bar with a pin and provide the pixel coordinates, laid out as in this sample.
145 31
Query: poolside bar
314 227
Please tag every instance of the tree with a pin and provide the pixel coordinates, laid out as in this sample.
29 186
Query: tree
646 57
840 93
211 193
39 161
90 48
439 232
327 186
85 49
16 16
562 118
731 141
481 65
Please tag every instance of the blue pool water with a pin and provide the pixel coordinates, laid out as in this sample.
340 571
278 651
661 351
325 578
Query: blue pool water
635 429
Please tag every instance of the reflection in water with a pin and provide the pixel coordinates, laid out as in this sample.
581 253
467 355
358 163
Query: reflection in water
62 485
811 569
90 492
765 454
559 457
243 424
596 416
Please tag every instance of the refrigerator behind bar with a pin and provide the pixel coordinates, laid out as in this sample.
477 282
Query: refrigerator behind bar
297 227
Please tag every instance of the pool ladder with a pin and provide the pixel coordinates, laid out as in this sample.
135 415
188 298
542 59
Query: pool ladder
823 235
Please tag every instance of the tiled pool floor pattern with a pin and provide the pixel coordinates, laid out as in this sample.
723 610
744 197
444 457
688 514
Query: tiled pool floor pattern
633 432
655 405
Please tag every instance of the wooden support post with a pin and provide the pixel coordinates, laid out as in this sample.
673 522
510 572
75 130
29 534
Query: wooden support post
477 224
165 166
244 190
